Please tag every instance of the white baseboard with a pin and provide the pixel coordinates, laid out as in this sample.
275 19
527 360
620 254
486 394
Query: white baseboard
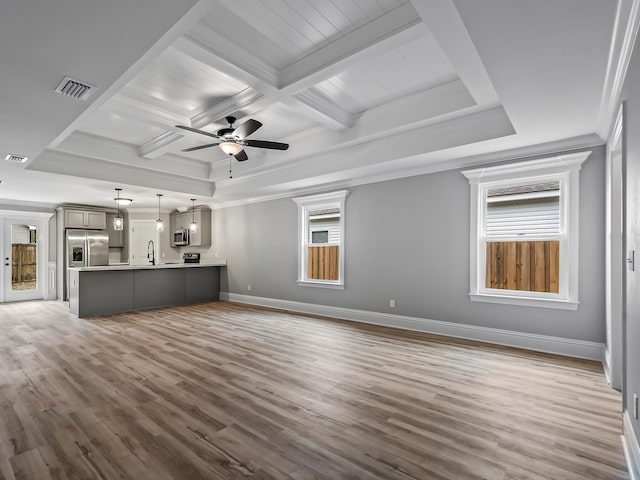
631 448
528 341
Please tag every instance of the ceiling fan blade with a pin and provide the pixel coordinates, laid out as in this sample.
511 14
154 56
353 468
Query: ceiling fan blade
266 144
199 147
247 128
242 156
195 130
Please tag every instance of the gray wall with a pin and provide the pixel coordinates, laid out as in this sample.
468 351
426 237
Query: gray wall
408 239
631 380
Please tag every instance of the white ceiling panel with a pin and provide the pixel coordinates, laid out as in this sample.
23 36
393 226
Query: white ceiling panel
117 127
284 31
233 27
184 82
280 121
417 66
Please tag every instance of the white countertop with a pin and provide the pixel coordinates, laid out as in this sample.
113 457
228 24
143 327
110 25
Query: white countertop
215 263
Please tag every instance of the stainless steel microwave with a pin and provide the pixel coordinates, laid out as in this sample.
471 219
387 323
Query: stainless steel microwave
181 237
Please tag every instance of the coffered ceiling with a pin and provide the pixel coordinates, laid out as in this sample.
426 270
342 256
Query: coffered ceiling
362 90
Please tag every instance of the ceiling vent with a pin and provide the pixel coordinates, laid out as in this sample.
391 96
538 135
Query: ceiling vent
74 88
16 158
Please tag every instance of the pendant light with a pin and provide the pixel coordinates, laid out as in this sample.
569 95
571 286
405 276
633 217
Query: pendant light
159 222
193 226
118 221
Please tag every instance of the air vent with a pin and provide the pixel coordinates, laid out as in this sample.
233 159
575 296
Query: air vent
74 88
16 158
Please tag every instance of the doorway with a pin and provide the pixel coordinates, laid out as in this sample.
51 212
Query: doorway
23 260
615 255
143 242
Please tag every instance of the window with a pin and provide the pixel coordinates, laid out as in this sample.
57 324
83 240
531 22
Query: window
524 232
321 239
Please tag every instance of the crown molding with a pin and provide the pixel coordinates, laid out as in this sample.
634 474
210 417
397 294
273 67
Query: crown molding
625 32
361 177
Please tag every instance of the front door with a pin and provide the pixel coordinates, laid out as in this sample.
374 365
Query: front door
21 261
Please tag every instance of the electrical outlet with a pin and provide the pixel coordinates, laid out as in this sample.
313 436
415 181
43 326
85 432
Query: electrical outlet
635 406
392 303
248 288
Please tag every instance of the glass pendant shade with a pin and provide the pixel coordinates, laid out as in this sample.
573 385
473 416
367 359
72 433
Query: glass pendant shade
193 226
118 221
231 148
159 222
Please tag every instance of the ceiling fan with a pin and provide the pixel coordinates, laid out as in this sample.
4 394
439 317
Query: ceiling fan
233 140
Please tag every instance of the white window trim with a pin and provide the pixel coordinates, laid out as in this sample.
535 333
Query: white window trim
564 167
304 205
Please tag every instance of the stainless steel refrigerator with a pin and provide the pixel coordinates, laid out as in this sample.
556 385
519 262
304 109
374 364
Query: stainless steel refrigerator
85 248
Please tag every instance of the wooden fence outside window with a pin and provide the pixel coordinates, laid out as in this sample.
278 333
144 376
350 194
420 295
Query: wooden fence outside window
23 262
528 266
323 263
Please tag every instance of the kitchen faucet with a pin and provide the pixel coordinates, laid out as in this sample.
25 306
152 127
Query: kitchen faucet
151 253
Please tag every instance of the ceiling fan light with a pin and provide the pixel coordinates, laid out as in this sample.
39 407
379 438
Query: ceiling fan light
231 148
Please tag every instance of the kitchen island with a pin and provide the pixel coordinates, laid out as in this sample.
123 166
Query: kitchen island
124 288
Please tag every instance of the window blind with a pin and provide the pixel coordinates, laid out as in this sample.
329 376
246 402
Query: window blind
536 216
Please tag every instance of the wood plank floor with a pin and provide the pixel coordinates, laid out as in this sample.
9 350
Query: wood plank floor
221 390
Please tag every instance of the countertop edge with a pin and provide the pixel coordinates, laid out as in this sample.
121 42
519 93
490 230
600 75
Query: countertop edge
104 268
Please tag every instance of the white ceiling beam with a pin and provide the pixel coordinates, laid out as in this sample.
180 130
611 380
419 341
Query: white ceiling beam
127 106
112 151
262 78
430 106
248 97
386 33
159 145
382 35
211 48
443 20
63 163
324 111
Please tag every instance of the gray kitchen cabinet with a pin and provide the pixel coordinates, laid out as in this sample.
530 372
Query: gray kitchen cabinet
202 236
182 220
116 237
85 219
178 221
